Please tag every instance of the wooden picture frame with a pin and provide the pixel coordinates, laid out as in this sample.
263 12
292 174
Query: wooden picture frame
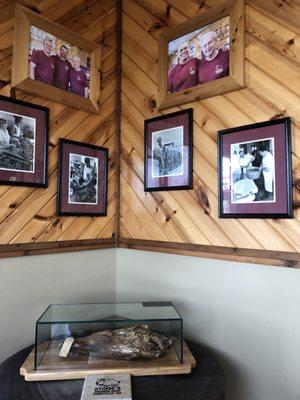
255 170
24 19
82 179
168 152
235 10
24 137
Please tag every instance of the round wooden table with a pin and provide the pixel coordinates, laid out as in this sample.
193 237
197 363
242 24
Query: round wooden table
206 382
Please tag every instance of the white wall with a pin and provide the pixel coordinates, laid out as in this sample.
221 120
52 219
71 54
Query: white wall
29 284
248 315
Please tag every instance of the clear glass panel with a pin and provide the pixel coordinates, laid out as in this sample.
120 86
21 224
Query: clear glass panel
109 311
61 321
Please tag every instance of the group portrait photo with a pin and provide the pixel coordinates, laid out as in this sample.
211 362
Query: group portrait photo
58 63
199 57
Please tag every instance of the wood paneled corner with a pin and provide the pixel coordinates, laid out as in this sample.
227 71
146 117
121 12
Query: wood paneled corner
28 220
178 221
175 221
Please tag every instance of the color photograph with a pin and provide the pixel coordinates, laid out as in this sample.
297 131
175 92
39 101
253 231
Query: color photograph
58 63
199 57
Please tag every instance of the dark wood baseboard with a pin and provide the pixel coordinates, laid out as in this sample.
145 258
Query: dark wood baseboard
29 249
266 257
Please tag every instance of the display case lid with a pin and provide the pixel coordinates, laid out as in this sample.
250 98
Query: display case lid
98 312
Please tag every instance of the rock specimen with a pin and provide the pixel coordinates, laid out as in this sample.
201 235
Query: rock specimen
128 343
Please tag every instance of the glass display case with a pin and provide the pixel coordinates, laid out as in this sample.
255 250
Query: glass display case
90 327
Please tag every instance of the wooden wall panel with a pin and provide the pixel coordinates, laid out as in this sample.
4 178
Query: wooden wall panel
28 215
273 90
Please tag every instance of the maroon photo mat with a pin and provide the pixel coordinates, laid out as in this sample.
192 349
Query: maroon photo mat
167 123
100 207
38 176
280 205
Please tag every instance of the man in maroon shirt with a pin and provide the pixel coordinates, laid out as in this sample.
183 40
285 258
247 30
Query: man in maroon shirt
184 74
41 66
215 63
78 79
62 68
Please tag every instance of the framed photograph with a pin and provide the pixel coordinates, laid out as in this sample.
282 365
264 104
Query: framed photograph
255 172
23 143
82 179
53 62
169 152
202 57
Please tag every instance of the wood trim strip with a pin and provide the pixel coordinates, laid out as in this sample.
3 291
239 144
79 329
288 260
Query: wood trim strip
28 249
266 257
118 120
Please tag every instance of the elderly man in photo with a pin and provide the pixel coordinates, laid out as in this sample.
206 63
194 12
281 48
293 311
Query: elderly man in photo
41 65
78 79
62 68
215 61
184 74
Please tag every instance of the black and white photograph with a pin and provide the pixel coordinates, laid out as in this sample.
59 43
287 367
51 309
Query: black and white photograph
167 159
169 151
83 180
23 143
17 142
253 171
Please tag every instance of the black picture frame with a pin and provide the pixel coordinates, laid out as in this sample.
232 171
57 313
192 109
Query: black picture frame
277 203
172 170
82 195
24 159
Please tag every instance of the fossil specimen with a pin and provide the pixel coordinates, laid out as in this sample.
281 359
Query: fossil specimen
128 343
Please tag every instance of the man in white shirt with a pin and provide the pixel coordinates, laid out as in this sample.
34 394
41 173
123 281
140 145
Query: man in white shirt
245 161
267 167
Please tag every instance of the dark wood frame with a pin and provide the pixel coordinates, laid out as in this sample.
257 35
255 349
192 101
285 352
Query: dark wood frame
288 155
235 9
45 147
188 111
24 18
60 180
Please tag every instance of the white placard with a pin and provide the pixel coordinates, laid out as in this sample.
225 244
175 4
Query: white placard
64 351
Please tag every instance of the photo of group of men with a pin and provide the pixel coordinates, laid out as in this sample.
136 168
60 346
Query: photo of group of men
17 142
199 57
58 63
253 172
